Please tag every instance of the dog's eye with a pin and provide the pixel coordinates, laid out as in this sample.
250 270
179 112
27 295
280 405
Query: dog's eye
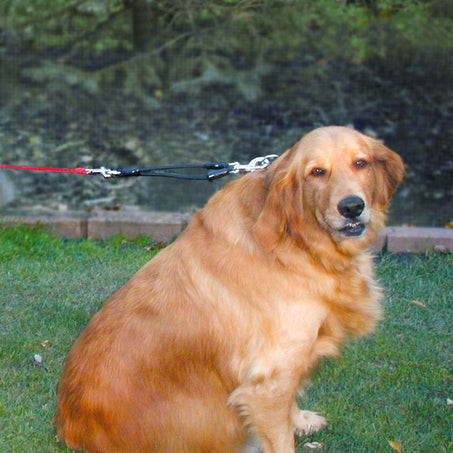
317 172
360 164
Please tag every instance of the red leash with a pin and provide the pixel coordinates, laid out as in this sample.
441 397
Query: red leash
79 170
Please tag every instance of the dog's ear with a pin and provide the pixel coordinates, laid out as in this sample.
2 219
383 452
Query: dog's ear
389 172
282 204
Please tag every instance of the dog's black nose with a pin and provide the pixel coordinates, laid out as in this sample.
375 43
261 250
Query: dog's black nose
351 207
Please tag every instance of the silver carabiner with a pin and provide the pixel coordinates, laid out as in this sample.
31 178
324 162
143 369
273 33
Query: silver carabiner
258 163
105 172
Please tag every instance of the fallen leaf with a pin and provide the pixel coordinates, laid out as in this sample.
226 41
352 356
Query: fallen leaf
440 249
395 445
417 302
313 446
155 245
45 343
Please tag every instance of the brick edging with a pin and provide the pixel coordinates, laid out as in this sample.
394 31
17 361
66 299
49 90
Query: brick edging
164 227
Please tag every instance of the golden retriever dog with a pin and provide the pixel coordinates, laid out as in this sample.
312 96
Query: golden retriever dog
204 349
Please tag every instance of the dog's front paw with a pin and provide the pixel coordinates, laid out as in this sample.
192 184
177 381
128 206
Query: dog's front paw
307 422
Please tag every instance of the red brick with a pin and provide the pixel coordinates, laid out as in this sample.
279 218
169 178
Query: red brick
166 226
69 225
380 243
160 226
416 239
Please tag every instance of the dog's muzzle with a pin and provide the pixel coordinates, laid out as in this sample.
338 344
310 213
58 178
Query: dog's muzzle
351 208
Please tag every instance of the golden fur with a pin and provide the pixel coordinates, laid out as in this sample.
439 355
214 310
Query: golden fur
205 347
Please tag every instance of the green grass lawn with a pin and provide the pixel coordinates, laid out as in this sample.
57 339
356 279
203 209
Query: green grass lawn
391 387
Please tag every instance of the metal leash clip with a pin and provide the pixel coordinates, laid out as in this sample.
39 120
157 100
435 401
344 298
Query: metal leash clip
105 172
258 163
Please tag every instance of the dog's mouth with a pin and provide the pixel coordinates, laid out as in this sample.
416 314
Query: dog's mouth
353 228
342 228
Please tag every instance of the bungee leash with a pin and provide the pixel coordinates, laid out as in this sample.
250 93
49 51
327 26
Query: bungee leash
215 170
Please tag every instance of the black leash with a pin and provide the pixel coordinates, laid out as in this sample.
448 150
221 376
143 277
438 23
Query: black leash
217 170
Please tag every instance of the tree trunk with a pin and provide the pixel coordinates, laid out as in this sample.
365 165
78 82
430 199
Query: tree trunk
145 23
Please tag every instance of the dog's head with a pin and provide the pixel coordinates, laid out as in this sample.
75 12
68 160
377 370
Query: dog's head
334 182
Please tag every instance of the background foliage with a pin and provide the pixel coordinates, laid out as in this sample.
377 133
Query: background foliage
209 40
